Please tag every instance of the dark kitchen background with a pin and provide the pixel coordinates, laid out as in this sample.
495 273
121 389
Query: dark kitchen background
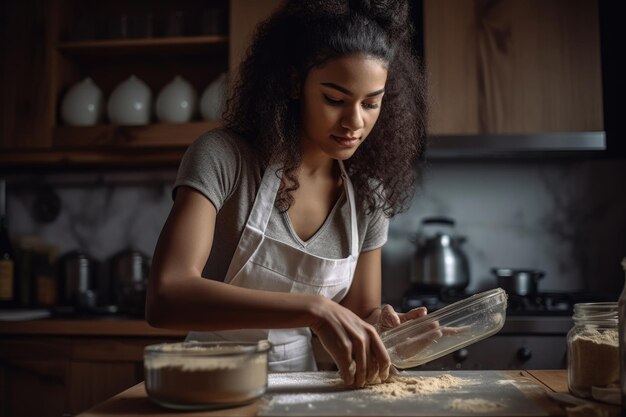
527 151
558 210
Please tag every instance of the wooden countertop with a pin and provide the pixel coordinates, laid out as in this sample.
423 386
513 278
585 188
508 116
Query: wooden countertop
134 401
131 326
106 326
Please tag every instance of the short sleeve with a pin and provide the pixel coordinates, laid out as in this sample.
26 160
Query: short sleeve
211 165
376 233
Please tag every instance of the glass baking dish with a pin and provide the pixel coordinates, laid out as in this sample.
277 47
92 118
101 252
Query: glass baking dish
205 375
450 328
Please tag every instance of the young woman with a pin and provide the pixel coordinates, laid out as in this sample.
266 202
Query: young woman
286 208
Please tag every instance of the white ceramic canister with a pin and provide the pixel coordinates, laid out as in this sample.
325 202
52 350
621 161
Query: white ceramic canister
176 102
83 104
213 98
130 103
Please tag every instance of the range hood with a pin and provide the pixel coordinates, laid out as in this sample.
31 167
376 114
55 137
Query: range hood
515 145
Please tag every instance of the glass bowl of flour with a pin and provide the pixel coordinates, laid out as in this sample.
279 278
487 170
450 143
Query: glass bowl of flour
205 375
446 330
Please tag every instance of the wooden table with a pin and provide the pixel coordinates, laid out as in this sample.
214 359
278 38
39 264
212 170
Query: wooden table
134 400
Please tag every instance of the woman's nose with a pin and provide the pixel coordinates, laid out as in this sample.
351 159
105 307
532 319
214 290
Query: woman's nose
352 119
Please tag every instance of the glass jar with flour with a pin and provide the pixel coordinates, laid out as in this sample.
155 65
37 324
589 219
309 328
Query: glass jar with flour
592 348
622 343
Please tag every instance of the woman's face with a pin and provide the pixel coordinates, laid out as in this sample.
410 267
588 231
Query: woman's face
340 104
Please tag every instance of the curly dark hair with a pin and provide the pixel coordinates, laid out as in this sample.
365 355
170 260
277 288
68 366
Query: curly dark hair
302 35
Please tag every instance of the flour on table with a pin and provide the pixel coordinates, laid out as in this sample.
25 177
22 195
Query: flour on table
475 405
404 387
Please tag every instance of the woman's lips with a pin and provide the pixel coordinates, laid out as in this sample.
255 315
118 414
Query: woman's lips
346 141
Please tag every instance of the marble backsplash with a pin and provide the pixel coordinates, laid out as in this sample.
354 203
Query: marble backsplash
565 217
100 213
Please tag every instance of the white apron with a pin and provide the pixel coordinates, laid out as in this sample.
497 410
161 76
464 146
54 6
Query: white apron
263 263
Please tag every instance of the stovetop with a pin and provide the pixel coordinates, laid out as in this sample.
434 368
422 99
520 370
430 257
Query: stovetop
539 304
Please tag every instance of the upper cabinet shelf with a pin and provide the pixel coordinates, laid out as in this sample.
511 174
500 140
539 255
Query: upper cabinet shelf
152 135
69 41
503 67
181 45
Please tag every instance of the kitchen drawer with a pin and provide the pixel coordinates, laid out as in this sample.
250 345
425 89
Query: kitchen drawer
507 352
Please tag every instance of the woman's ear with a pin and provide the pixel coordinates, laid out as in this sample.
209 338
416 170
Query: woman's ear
294 84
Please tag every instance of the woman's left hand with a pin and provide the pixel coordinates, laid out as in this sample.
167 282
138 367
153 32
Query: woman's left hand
388 318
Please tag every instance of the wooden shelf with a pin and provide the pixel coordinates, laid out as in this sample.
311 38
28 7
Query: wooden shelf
183 45
102 136
29 159
110 145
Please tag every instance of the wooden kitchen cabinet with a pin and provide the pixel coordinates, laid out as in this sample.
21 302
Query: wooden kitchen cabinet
49 46
513 66
33 388
244 16
49 371
25 76
63 376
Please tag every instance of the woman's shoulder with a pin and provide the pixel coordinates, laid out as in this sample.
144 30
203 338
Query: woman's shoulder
220 150
220 139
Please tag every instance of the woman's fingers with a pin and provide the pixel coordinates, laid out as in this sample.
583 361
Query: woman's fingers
453 331
414 345
341 352
416 313
354 345
388 317
370 355
359 350
380 356
347 373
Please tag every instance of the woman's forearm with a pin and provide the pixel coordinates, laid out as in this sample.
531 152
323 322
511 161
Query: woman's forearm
199 304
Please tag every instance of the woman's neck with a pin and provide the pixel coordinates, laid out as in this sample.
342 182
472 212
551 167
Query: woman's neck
316 166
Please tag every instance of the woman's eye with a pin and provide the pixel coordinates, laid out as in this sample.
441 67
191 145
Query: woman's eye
370 106
332 101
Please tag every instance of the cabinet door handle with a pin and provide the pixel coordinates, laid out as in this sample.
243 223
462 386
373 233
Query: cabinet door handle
461 355
524 354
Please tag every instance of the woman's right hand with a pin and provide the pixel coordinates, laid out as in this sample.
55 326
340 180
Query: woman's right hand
353 344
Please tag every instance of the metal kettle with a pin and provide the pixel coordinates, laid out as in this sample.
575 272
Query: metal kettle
439 262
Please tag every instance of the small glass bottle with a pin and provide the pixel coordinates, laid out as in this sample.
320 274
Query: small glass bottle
622 343
592 348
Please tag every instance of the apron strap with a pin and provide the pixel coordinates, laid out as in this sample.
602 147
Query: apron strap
354 232
265 198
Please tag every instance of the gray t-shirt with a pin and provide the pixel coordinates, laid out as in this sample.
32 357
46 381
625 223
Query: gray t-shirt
223 167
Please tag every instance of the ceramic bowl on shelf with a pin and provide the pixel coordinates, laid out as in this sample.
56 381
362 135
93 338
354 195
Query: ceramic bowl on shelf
130 103
213 97
176 102
83 104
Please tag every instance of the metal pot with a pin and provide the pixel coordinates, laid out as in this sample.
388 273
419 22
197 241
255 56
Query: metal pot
79 285
439 262
518 281
129 269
